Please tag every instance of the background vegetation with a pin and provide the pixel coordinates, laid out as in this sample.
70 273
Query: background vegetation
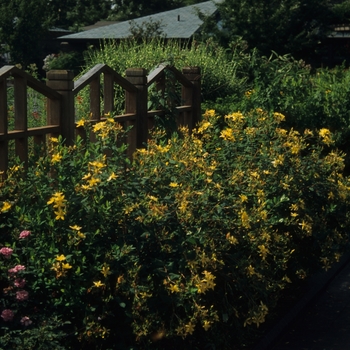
195 241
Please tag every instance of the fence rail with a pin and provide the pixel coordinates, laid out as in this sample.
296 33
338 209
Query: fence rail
61 91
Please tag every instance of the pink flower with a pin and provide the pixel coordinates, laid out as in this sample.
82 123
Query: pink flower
6 252
19 282
16 269
22 295
24 234
7 315
26 321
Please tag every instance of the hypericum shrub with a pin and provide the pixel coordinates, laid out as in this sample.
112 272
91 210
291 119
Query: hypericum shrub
189 245
228 217
309 98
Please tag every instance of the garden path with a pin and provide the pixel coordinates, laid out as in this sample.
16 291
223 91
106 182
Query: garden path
325 323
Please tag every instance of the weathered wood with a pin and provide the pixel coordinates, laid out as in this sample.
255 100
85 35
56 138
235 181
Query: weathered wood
20 107
96 71
95 102
108 92
33 83
62 82
136 102
60 90
192 95
3 125
18 134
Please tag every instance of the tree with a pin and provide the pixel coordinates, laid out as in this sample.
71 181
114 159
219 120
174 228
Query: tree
23 23
284 26
78 13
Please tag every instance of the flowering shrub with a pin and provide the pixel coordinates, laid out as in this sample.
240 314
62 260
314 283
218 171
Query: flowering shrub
189 245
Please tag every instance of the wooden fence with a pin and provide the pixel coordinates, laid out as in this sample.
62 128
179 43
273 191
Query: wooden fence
61 91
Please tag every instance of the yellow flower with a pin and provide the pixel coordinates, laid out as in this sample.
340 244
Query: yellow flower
66 266
98 284
209 113
282 132
203 126
5 207
80 123
112 177
60 257
56 158
245 219
173 184
174 288
227 134
97 165
98 126
243 197
305 226
153 198
54 139
278 161
81 235
250 270
235 117
59 215
233 240
279 117
206 325
326 136
189 328
105 270
93 181
263 251
75 227
87 176
206 283
15 168
57 199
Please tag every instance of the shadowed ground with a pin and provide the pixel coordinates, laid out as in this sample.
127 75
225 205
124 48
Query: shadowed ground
325 323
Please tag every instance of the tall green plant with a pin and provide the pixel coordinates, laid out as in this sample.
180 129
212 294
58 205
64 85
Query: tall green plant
220 74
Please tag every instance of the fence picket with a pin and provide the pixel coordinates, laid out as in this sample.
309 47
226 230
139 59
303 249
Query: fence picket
61 90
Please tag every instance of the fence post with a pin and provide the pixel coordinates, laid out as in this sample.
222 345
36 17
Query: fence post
192 96
63 115
3 125
137 103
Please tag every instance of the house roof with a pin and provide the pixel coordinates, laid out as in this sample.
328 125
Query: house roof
180 23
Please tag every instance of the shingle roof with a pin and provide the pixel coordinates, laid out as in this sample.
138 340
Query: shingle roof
180 23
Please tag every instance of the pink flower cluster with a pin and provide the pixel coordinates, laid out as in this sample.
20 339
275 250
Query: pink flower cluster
16 269
6 252
7 315
22 295
24 234
19 282
26 321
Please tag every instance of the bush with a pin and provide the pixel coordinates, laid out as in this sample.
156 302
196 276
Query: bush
309 98
64 60
189 245
219 74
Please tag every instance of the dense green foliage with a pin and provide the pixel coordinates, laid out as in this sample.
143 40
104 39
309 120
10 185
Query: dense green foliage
194 242
220 74
23 24
288 26
190 245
